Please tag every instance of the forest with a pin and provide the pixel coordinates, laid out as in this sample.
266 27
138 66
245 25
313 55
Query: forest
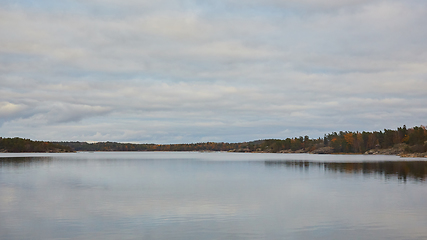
26 145
401 140
411 140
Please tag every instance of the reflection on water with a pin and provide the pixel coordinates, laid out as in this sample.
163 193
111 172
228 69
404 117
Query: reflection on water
210 196
412 170
20 162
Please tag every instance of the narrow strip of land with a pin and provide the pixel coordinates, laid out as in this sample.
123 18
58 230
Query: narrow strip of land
406 142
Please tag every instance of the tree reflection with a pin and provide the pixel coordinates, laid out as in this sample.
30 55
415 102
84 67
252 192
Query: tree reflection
20 162
404 170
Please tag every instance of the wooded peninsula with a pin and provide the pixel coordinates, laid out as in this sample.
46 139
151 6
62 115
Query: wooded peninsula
411 142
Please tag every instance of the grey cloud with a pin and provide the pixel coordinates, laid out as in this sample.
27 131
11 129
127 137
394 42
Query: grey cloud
178 70
60 113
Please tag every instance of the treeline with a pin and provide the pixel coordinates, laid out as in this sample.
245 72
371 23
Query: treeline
114 146
27 145
410 140
358 142
414 140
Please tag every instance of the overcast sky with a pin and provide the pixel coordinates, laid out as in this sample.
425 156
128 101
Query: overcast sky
213 70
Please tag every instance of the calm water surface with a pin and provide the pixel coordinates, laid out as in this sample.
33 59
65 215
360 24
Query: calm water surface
211 196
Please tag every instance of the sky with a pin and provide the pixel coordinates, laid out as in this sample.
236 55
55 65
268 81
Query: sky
223 71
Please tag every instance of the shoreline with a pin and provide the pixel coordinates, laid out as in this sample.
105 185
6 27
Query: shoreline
377 153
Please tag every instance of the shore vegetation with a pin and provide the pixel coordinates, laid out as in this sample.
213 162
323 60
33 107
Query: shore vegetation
403 141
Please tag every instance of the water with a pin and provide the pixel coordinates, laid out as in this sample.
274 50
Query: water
211 196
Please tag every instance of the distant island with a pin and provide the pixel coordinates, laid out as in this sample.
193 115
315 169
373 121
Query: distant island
407 142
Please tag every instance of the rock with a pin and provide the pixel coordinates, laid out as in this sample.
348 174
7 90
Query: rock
395 150
413 155
323 150
240 150
301 151
372 151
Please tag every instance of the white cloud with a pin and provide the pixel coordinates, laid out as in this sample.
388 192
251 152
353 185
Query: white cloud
10 110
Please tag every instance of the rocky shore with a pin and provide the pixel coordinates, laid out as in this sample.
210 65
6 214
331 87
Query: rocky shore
398 150
414 155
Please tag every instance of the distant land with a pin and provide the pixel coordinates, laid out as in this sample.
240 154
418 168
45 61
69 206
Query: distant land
407 142
19 145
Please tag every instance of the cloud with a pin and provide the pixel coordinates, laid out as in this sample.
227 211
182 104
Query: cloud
60 113
226 70
8 110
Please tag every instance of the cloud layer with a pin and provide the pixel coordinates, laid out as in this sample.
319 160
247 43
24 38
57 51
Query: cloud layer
189 71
